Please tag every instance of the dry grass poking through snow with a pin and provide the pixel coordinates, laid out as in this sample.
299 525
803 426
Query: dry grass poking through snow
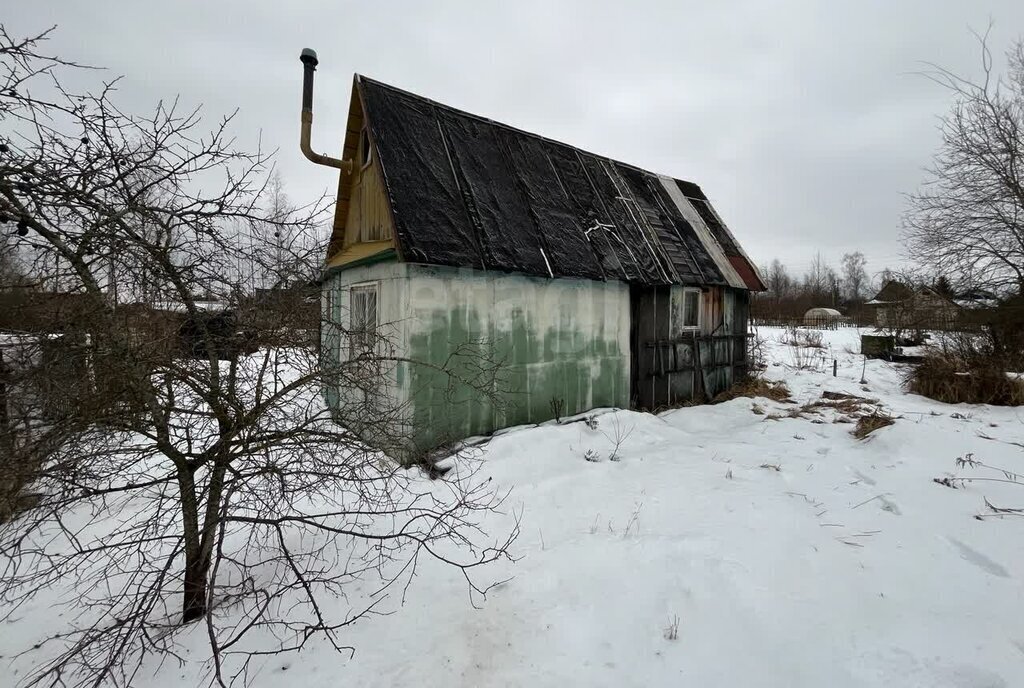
755 387
849 404
847 408
868 424
954 380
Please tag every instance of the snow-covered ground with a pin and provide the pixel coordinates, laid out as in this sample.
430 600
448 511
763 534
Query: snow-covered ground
737 544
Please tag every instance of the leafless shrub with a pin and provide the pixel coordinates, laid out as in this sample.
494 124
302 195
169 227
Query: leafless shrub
557 405
954 380
803 337
806 347
807 358
617 437
757 356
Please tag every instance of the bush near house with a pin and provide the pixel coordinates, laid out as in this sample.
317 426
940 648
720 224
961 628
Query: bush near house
971 365
953 379
971 368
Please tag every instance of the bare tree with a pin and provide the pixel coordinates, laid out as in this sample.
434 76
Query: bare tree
819 280
10 270
775 302
832 284
967 221
192 472
884 276
854 274
789 298
779 280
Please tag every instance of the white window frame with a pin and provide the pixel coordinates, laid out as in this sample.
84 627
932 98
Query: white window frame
355 346
682 326
696 293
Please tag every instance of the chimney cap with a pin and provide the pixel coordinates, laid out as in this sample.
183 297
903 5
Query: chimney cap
308 56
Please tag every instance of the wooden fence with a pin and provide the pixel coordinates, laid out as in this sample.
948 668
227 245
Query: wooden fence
813 323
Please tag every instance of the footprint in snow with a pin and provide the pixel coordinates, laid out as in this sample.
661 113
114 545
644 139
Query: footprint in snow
863 478
978 559
890 506
970 676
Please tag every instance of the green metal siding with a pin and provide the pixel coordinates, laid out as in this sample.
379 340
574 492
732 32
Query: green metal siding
559 343
564 340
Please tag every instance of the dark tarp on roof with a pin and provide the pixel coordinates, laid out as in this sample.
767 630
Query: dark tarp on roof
466 191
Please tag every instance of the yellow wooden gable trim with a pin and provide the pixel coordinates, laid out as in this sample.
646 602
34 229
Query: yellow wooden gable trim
359 251
363 224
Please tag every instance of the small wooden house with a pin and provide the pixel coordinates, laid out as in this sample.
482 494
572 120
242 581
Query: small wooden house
899 306
594 282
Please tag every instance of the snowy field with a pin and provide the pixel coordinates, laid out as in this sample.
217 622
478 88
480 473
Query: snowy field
748 543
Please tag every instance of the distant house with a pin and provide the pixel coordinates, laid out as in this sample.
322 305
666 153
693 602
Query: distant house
597 283
901 306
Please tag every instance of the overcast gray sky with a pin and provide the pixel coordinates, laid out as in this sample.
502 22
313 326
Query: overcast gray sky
805 122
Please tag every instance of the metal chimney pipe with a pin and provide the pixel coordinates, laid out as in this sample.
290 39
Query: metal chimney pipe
309 63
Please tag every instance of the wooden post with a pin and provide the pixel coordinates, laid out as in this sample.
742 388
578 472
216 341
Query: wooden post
835 368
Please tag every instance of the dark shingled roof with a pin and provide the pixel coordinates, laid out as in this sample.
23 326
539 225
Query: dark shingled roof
467 191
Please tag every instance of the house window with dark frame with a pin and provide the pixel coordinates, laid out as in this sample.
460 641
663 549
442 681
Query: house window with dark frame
363 322
691 309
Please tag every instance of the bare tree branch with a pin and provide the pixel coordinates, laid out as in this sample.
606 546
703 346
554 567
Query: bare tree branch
181 462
